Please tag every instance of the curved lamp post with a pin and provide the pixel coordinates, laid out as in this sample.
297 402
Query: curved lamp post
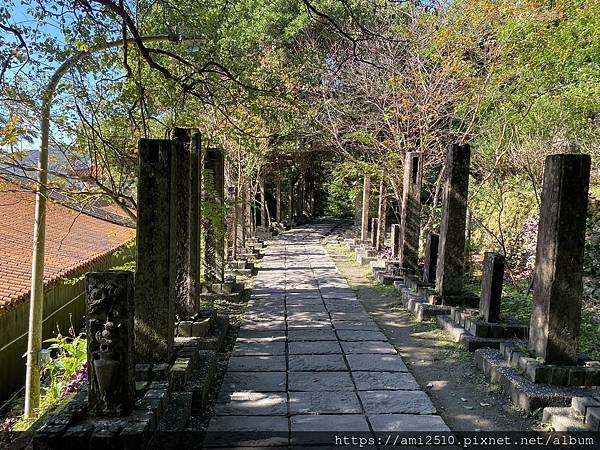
34 340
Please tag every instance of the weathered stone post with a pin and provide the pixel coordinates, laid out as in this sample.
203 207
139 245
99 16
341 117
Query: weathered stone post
251 205
109 329
278 202
232 200
213 215
556 315
187 195
395 240
358 210
431 258
451 257
381 214
155 293
374 230
291 201
263 202
491 287
411 211
245 220
300 199
313 198
364 232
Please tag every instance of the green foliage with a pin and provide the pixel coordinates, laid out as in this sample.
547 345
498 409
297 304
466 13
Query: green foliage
124 253
70 356
590 333
516 301
533 76
62 373
517 304
499 210
344 184
213 213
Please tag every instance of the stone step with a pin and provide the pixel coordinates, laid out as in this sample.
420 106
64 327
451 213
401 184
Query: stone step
592 419
240 264
446 323
399 284
580 405
251 257
387 278
351 247
231 298
193 328
173 422
227 287
202 377
380 264
459 334
241 272
561 419
364 260
215 340
177 412
523 392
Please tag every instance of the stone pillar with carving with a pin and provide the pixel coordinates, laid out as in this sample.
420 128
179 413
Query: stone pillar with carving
109 329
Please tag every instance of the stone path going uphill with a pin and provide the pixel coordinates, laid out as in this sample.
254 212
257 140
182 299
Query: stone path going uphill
310 359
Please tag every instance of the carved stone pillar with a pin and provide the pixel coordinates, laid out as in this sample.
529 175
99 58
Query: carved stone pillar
109 329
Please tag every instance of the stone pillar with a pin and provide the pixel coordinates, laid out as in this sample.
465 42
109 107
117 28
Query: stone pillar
109 329
187 195
263 203
244 221
395 240
358 210
312 197
381 214
556 315
431 257
213 215
232 200
300 200
411 211
364 232
251 205
491 287
290 201
155 294
374 229
278 202
451 258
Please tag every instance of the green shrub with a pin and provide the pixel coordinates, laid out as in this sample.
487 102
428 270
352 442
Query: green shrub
62 374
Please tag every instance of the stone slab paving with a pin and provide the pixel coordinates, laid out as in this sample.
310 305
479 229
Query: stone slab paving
309 359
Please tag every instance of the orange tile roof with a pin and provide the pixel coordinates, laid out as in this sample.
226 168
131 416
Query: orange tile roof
73 240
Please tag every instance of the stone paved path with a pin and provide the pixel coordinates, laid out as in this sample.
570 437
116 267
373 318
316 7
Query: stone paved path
309 357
